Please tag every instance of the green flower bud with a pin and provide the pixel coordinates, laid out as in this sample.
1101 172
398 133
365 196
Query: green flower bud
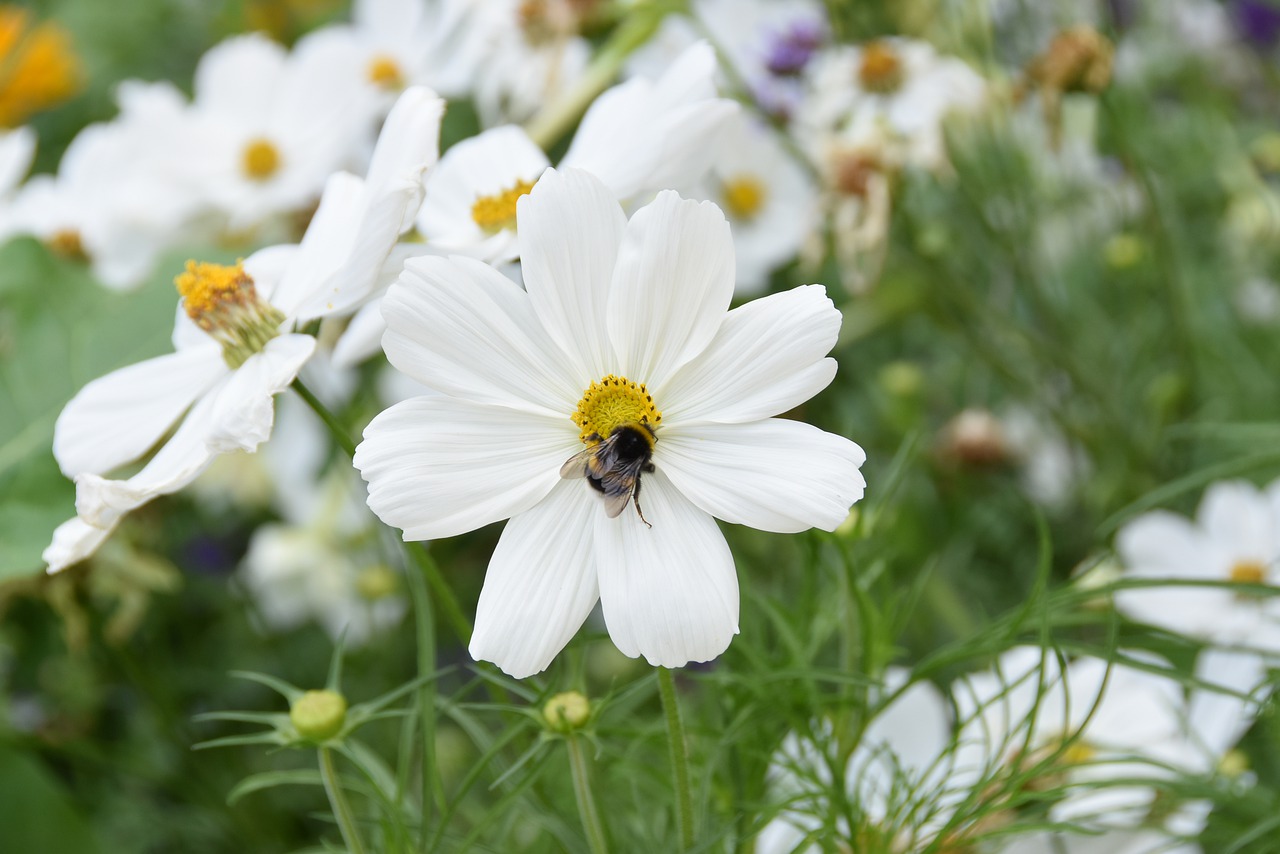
377 581
1124 251
902 379
319 715
566 712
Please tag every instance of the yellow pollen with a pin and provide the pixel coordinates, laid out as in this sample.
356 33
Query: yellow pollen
1078 753
260 160
385 72
744 196
610 402
496 212
1249 572
881 69
68 244
38 66
205 288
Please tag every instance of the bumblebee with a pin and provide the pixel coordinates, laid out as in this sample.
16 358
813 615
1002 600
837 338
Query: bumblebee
613 465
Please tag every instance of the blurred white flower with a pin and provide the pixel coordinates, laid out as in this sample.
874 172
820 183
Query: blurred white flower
906 778
1257 301
769 198
1051 467
234 340
271 126
1235 537
315 568
532 53
119 198
900 85
623 324
17 149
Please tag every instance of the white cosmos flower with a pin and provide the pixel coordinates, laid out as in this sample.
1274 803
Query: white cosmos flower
17 149
771 202
1235 537
235 347
272 126
621 322
637 137
901 85
118 197
907 777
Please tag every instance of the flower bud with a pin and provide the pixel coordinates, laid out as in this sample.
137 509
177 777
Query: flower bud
1078 59
377 581
974 438
318 715
567 712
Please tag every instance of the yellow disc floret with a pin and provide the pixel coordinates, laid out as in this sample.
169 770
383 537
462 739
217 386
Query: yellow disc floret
496 212
384 71
612 401
881 69
744 196
260 159
224 303
1249 572
38 67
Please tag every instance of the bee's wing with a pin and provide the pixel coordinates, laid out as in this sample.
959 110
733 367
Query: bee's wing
578 465
617 487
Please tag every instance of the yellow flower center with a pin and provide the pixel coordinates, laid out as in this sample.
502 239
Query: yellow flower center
38 67
385 72
67 243
1078 753
496 212
224 303
881 69
612 401
1249 572
260 159
744 196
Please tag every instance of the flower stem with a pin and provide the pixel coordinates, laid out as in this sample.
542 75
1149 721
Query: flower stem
679 757
596 839
550 124
338 801
336 429
440 588
425 635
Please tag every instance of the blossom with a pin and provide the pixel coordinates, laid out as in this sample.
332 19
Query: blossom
1235 537
622 323
235 342
907 776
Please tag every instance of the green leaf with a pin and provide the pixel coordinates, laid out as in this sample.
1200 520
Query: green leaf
271 779
35 811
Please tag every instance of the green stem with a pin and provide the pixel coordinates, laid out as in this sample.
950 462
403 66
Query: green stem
336 429
440 588
596 839
425 634
679 758
338 800
548 126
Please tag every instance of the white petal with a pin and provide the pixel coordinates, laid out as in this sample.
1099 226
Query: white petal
438 467
324 248
766 358
775 475
570 228
1237 515
461 327
17 148
1162 544
408 145
540 585
116 418
244 410
669 592
671 287
239 76
73 541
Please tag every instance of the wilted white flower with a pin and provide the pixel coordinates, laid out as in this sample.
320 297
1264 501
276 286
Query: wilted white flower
1235 537
620 347
235 342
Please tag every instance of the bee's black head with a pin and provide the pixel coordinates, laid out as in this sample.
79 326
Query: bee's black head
633 441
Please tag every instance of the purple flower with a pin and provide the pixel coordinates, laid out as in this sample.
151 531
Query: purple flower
789 52
1258 21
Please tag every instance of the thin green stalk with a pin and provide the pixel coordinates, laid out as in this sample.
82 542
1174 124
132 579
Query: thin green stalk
596 839
548 126
338 801
336 429
425 635
679 758
440 588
